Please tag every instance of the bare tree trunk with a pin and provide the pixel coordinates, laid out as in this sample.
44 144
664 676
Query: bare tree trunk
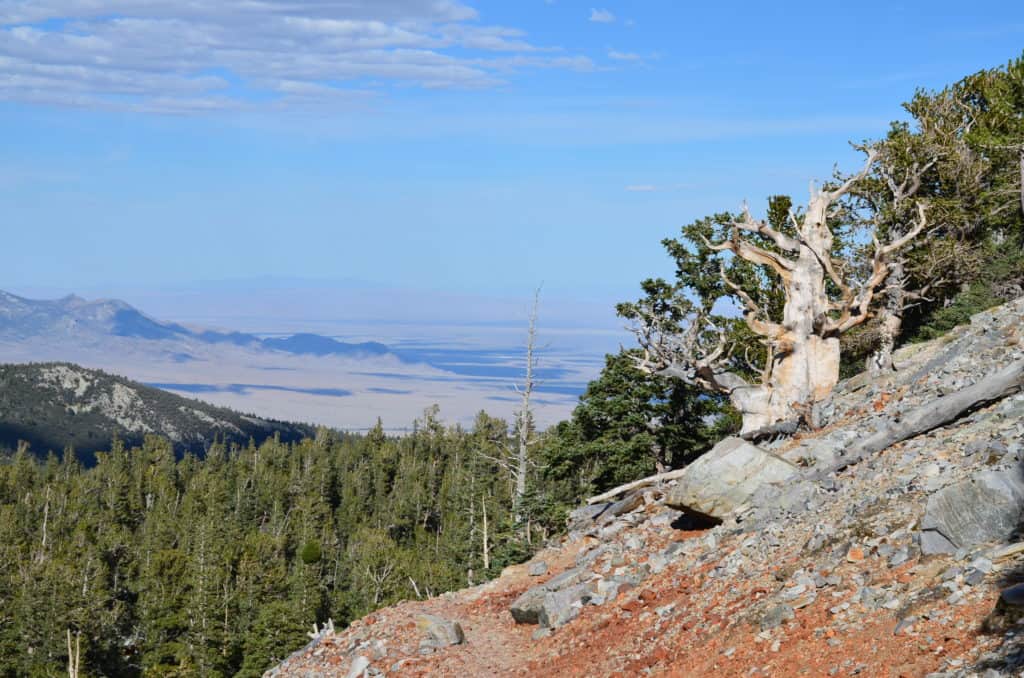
486 544
1022 178
46 517
46 520
643 482
890 320
74 655
804 365
935 413
525 415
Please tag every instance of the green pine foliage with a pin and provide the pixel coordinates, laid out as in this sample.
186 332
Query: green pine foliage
972 257
218 566
628 425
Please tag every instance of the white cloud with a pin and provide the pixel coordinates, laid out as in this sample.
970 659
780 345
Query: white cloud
624 56
641 188
168 55
601 16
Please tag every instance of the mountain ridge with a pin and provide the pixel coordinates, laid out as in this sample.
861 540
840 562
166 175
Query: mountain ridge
22 318
57 405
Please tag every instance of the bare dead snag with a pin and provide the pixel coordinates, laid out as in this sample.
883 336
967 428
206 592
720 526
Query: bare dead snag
74 655
525 416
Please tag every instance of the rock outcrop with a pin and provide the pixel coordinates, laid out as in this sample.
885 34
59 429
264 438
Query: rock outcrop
985 507
726 478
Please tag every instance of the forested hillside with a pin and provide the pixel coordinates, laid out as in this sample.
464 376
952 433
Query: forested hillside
53 406
218 566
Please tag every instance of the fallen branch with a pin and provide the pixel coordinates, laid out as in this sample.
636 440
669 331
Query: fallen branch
1003 383
781 428
643 482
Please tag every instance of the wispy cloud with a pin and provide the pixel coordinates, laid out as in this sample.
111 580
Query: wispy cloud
601 16
641 188
169 56
616 55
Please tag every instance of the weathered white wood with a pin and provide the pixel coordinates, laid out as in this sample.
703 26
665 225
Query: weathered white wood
74 655
802 366
525 415
643 482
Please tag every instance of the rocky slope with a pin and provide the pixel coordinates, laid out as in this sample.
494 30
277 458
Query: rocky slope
53 405
900 565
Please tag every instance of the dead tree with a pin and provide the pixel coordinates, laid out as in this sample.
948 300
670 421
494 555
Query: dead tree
485 546
378 576
897 297
524 418
803 346
515 459
933 414
74 654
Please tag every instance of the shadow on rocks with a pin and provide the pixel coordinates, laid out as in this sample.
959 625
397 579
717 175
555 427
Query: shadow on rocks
1007 618
692 522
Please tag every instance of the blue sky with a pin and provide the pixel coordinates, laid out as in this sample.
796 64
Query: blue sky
471 147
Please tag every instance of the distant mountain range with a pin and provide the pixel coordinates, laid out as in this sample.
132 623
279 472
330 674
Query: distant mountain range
22 319
55 405
298 376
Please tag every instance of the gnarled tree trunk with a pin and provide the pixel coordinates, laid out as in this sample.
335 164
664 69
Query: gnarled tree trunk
803 348
890 321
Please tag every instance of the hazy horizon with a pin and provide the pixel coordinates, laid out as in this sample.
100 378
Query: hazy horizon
459 359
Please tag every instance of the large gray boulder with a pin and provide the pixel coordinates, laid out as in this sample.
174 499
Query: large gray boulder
441 632
561 607
726 477
527 608
986 507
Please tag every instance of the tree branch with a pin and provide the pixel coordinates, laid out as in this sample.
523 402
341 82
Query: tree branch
856 311
844 188
754 254
765 328
781 240
685 355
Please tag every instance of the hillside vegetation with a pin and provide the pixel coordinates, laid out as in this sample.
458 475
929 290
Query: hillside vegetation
218 565
53 406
